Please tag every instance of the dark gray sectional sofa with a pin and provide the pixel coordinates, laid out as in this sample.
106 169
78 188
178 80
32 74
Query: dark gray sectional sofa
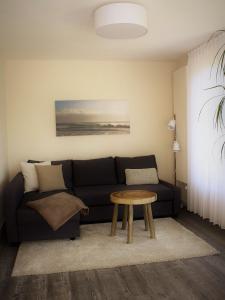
93 181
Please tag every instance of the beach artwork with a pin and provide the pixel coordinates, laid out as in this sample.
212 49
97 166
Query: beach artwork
91 117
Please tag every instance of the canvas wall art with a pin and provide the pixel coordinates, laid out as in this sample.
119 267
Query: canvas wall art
91 117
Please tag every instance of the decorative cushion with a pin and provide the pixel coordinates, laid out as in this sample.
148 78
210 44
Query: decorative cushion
66 168
30 175
67 171
139 162
141 176
50 178
58 209
94 172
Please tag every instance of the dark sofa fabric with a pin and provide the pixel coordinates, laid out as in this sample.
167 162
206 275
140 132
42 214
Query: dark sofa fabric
93 181
104 213
23 223
31 226
100 195
29 221
99 171
97 195
13 196
139 162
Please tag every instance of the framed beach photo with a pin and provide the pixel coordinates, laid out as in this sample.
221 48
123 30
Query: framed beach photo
91 117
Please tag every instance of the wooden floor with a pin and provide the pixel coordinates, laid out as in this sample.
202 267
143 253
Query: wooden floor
195 278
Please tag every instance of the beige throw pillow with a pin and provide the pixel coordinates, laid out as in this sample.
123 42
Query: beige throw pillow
58 209
50 178
30 175
141 176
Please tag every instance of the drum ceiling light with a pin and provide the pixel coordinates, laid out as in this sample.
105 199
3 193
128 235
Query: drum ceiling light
121 21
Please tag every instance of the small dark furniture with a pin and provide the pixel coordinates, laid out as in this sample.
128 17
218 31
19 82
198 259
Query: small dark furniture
93 181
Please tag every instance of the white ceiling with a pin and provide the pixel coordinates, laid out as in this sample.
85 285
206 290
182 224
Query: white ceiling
63 29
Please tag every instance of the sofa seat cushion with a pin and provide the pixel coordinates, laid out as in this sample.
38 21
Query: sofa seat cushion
99 171
100 195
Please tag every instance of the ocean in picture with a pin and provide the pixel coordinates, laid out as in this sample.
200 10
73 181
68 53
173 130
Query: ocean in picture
91 117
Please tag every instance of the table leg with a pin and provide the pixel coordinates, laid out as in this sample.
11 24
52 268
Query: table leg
151 222
130 225
146 217
125 213
114 220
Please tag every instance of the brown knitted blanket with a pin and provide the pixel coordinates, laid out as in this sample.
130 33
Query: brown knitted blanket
57 209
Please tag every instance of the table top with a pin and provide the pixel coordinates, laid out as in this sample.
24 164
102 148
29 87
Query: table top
133 197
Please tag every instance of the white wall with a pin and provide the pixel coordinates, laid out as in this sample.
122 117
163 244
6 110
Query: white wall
3 154
180 109
33 86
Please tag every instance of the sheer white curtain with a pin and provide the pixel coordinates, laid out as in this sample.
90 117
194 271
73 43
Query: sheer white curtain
206 169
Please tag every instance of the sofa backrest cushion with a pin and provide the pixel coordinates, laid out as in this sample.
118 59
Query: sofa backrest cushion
139 162
66 169
99 171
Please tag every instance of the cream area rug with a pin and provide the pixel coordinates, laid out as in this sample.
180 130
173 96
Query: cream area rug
96 249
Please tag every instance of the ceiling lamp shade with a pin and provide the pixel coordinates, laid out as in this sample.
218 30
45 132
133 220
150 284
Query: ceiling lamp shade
121 21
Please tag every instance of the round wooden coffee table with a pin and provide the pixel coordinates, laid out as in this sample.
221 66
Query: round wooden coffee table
128 199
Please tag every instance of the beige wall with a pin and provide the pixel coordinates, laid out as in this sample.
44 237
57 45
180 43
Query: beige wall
180 103
3 155
33 86
182 61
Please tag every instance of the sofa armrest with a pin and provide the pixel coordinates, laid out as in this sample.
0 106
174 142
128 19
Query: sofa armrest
177 196
13 195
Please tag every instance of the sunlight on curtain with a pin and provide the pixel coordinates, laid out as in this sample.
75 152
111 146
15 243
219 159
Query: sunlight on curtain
206 170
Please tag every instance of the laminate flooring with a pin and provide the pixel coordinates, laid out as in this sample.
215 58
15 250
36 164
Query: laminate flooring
195 278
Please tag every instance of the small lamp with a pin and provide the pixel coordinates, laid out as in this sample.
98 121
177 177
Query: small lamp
172 124
176 145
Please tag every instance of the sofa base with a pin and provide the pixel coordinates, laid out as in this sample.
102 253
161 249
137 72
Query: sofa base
42 231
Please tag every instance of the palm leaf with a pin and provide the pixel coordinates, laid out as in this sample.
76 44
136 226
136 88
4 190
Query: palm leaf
217 54
219 62
220 65
215 87
216 58
222 150
210 99
219 70
218 116
216 33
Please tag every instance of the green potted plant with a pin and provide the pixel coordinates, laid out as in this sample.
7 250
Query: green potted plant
218 65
